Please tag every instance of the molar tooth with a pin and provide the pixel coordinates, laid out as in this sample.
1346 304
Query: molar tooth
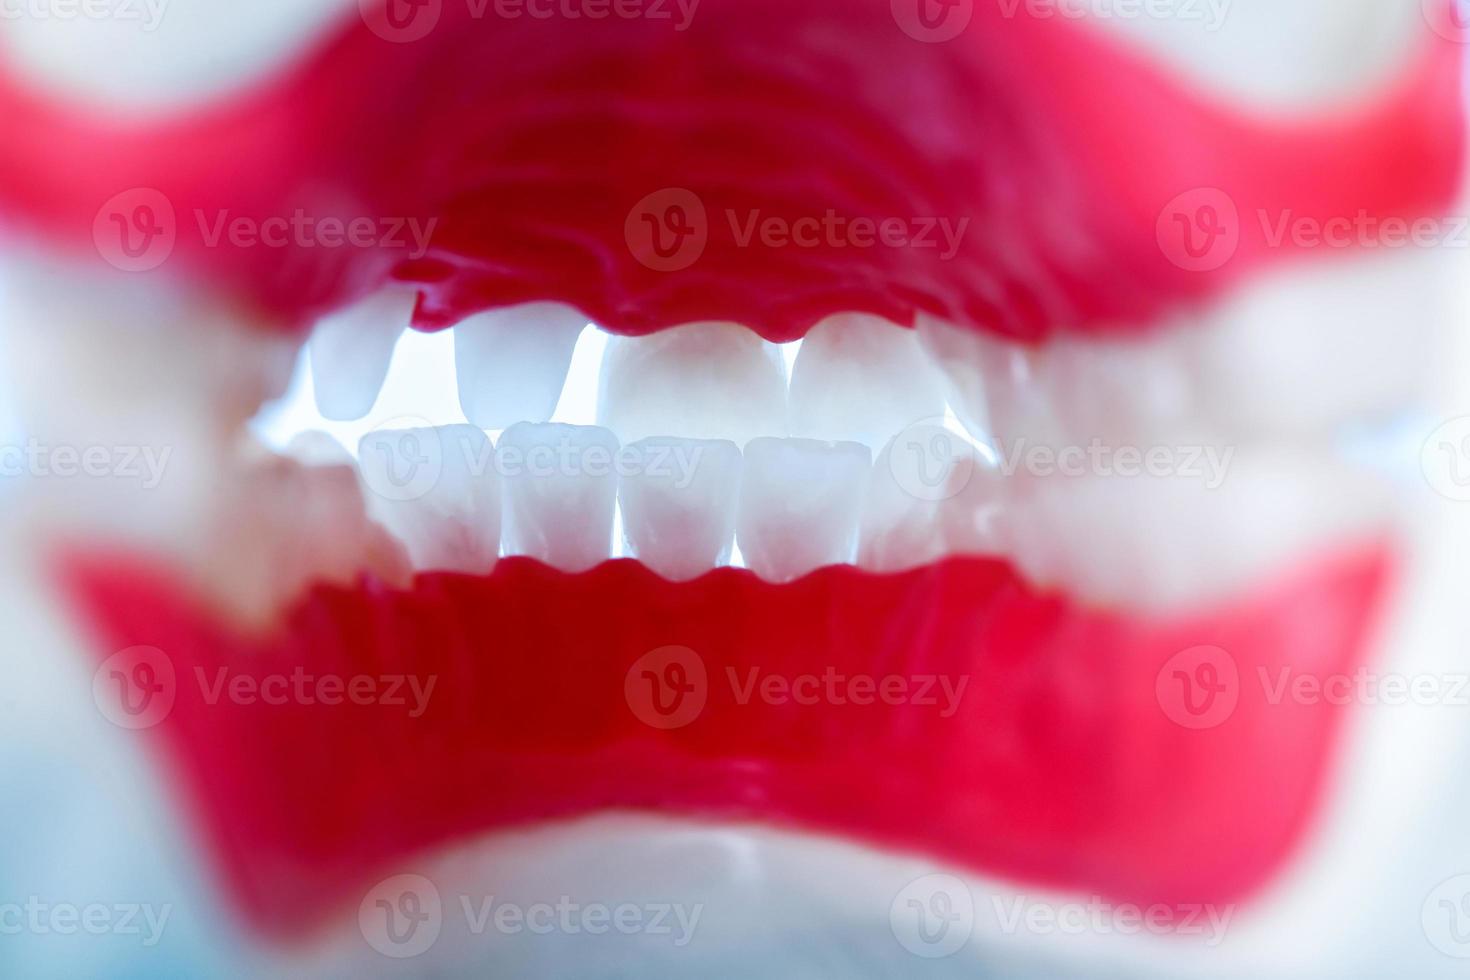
699 381
678 498
437 490
352 348
512 363
560 493
859 378
1300 350
800 501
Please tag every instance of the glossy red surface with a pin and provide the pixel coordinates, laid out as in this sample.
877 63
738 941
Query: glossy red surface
1081 751
549 151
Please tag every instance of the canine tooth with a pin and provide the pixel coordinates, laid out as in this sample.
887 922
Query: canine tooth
996 387
438 491
931 495
678 502
512 362
859 378
699 381
560 484
800 502
351 351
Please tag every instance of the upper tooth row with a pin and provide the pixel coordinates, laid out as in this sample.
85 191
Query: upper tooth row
857 378
1291 354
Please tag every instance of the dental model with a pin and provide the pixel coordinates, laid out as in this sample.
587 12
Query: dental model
995 597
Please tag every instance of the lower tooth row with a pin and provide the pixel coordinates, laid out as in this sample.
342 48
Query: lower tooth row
547 491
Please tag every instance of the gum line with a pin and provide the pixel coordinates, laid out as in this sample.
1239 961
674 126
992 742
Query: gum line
1067 762
541 162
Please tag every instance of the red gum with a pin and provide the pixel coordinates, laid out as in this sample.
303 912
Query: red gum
1060 768
533 140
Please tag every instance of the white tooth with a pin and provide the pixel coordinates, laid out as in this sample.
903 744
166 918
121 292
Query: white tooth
1299 351
678 498
931 496
314 447
859 378
699 381
560 493
512 362
800 502
351 351
438 491
995 386
1171 542
1282 55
